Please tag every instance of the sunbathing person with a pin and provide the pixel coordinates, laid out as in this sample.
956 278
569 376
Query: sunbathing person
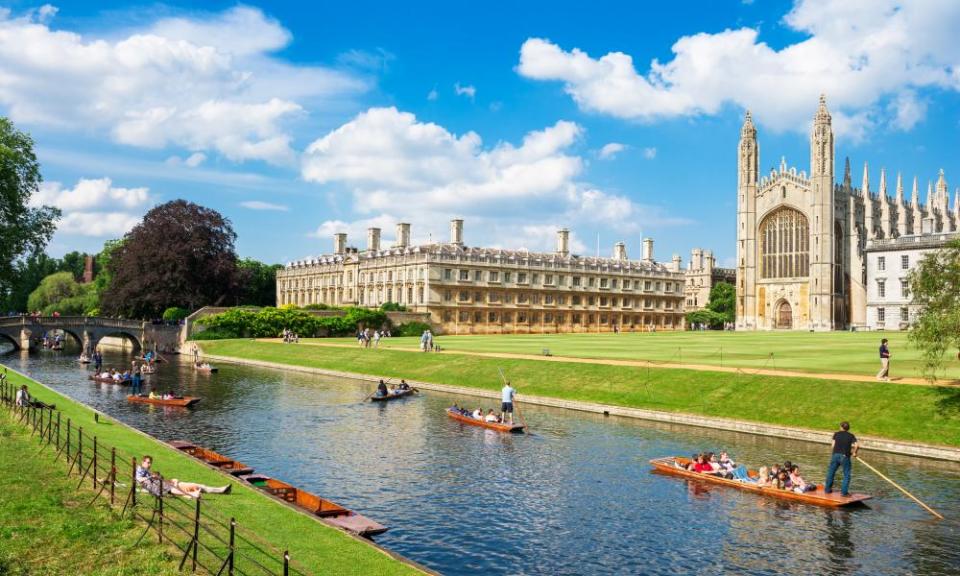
150 481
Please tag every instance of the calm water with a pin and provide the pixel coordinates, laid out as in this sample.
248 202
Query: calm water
577 497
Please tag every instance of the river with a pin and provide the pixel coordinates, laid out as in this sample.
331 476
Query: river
575 497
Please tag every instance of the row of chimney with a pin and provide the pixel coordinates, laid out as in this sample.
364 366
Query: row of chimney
456 237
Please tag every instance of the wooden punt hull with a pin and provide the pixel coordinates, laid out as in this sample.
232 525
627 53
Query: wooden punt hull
817 497
331 512
210 370
392 396
212 458
109 380
491 425
182 402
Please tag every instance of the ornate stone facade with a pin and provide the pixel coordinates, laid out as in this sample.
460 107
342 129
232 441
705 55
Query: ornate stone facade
470 290
702 274
801 238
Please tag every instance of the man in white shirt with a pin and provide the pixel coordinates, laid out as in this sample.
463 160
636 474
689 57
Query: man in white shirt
507 394
23 397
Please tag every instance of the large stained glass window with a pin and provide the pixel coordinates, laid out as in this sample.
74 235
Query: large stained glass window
784 245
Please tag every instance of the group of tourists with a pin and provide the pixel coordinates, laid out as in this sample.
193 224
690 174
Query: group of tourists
784 476
426 342
384 390
152 483
290 337
168 395
366 337
507 396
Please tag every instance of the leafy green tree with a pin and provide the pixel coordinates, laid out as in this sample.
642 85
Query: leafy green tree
181 254
723 300
27 276
175 314
24 229
935 287
393 307
60 292
258 282
75 263
707 317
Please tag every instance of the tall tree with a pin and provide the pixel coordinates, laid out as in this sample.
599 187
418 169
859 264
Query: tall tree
181 254
24 229
723 300
258 282
935 287
28 273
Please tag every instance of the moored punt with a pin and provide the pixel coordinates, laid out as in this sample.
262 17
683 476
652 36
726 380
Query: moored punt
109 380
668 465
212 458
183 402
331 512
205 368
491 425
84 359
392 395
148 369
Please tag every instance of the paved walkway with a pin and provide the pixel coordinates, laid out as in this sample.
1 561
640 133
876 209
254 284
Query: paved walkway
651 364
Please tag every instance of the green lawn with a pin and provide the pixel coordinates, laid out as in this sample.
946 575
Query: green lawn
47 527
312 544
831 352
898 411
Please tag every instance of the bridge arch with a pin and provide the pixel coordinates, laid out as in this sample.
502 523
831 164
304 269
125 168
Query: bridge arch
125 334
4 337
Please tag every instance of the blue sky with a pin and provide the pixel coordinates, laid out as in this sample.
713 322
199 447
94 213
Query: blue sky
617 119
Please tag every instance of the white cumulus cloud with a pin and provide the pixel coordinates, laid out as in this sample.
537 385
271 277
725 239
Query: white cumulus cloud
861 53
610 151
468 90
205 83
94 207
260 205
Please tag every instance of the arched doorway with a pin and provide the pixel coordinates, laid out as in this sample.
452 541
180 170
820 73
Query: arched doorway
783 318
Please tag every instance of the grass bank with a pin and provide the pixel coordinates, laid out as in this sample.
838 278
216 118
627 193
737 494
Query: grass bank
835 352
926 414
47 527
319 548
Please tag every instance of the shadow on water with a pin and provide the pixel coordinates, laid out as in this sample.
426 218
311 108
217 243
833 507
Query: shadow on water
578 498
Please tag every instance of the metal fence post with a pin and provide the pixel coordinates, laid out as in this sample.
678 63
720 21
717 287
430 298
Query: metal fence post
196 535
68 439
133 484
80 447
233 529
57 444
94 462
160 508
113 473
286 563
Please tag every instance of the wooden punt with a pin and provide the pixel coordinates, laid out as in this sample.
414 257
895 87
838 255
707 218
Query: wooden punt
392 395
817 497
109 380
148 369
331 512
491 425
206 369
212 458
182 402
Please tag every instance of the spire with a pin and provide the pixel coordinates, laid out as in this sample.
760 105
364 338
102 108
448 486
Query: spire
866 181
915 196
929 194
883 185
956 202
823 115
783 164
846 173
899 189
943 195
748 130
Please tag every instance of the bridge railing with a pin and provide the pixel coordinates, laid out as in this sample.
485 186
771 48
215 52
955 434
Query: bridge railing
70 321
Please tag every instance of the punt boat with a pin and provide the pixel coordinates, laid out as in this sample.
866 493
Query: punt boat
109 380
212 458
331 512
491 425
676 466
182 402
206 368
392 395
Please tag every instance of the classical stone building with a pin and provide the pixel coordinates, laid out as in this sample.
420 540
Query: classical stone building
702 274
488 290
801 238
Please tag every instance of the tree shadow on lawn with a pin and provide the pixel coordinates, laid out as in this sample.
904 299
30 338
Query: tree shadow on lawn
948 402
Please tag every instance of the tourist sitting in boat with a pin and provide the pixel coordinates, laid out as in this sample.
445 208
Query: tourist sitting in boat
152 395
478 414
726 463
150 481
774 471
703 464
491 417
404 385
763 477
782 481
382 388
797 482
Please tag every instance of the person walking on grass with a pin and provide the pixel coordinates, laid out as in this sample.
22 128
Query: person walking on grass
884 373
844 450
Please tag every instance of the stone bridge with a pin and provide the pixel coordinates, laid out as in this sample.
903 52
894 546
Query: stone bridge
25 331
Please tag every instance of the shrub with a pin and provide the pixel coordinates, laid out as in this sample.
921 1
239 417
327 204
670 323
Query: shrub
175 314
392 307
270 322
411 329
318 306
213 334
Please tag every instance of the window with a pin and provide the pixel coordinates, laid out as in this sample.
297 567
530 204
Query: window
784 245
904 314
447 296
576 300
477 275
548 279
464 296
548 317
494 297
478 317
591 281
613 283
447 316
881 314
492 317
590 301
561 280
522 298
464 274
603 282
508 316
904 287
646 285
521 278
576 318
603 301
576 281
477 297
508 298
463 316
548 299
494 276
881 263
904 262
536 279
506 276
561 300
881 289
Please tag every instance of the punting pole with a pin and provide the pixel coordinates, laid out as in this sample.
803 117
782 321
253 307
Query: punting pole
900 488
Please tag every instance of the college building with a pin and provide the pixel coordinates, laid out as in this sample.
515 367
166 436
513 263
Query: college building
474 290
802 237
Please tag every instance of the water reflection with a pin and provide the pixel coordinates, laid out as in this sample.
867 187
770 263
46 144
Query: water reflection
576 498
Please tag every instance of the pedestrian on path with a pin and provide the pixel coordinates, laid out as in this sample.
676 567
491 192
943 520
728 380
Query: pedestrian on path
884 373
844 450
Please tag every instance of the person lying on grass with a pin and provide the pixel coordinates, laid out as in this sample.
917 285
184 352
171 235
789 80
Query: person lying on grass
150 481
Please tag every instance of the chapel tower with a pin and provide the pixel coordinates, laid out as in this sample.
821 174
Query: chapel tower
748 172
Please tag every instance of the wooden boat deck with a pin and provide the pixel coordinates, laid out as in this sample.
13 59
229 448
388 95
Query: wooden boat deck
491 425
818 497
331 512
181 402
212 458
392 395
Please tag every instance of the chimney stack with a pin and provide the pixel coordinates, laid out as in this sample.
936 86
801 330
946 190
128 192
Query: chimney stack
563 242
676 263
619 251
648 249
456 231
339 243
403 235
88 269
373 239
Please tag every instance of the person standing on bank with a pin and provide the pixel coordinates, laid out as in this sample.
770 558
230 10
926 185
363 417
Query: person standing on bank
844 450
507 394
884 373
